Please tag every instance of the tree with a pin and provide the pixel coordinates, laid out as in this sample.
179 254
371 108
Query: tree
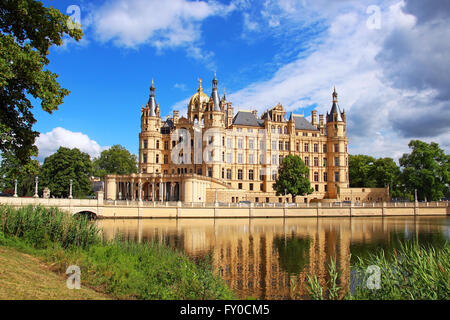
426 169
385 172
27 31
12 168
359 171
115 160
64 165
293 178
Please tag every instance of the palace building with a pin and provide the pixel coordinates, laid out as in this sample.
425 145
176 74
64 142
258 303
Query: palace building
215 155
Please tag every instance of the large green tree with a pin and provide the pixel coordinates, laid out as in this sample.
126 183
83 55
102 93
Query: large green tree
12 168
115 160
360 167
427 169
27 31
64 165
293 177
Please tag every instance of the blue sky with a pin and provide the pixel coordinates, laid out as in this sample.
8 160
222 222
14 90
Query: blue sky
264 52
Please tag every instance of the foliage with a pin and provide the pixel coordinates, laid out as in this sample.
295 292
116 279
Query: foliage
115 160
293 177
40 226
12 168
427 169
293 253
120 268
360 168
64 165
332 291
27 31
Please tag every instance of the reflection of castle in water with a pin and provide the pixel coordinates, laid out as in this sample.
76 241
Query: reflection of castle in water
259 257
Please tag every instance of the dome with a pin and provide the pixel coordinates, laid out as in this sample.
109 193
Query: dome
199 97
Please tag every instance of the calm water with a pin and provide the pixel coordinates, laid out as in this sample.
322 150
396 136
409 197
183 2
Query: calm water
259 257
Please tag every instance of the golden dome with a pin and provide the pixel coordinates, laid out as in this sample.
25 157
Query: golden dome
199 97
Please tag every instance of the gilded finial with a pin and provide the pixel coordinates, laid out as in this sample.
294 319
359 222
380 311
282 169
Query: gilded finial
200 89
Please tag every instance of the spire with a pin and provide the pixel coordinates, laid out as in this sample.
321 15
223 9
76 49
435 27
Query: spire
215 94
335 113
200 89
151 101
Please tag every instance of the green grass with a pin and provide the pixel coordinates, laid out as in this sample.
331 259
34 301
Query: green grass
118 268
412 272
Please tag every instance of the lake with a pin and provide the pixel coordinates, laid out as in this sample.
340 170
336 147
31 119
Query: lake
261 258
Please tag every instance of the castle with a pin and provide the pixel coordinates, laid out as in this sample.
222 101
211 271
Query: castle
214 155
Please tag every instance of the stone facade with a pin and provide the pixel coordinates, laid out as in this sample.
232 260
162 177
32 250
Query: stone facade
215 155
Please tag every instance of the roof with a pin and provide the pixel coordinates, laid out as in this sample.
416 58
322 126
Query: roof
246 118
335 110
302 124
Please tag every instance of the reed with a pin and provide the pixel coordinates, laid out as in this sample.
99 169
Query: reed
41 226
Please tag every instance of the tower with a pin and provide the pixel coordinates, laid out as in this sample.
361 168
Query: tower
150 136
337 149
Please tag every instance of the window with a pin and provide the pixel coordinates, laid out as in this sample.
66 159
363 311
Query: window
286 145
145 144
250 144
316 161
324 148
240 174
223 173
250 175
240 186
261 145
274 159
306 147
280 145
274 174
336 161
325 176
240 158
229 174
297 147
280 159
261 158
261 174
336 176
324 162
229 142
166 145
305 134
336 147
157 158
166 159
223 156
261 187
229 157
145 158
307 161
157 144
240 144
285 130
316 147
274 145
317 188
325 188
210 173
251 186
316 177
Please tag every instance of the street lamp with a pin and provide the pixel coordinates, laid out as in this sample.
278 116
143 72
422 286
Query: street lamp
70 189
36 180
15 188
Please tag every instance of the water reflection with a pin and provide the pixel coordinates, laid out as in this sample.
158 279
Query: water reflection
261 257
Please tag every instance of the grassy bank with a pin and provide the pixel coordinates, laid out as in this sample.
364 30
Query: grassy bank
413 272
120 269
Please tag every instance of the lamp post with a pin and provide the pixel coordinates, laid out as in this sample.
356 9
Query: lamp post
36 180
15 188
70 189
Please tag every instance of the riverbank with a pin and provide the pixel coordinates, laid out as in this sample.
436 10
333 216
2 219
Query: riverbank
119 269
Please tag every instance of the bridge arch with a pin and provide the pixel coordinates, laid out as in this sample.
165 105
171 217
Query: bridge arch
89 213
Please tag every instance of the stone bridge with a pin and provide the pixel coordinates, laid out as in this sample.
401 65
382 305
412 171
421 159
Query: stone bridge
145 209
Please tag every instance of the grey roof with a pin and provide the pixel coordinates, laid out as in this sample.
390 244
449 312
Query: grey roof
215 98
335 110
302 124
152 106
246 118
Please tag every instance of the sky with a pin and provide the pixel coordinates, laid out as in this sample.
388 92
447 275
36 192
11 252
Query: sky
389 61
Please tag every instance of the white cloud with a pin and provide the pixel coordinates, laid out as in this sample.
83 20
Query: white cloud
48 143
162 24
384 87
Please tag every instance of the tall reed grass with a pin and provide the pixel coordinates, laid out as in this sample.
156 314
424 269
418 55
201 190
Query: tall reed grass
41 226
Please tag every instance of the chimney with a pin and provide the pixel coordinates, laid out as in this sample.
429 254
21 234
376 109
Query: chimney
314 118
176 116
